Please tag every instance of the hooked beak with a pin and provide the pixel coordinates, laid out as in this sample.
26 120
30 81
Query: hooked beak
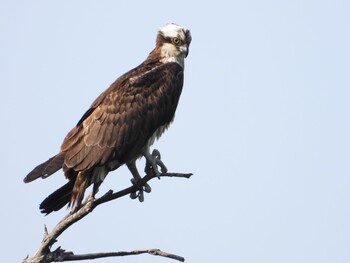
184 49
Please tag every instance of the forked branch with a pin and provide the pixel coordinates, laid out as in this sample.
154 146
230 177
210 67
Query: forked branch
44 253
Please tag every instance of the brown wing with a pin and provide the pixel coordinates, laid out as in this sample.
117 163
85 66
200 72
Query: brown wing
123 118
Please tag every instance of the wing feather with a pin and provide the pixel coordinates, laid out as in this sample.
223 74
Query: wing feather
124 117
94 135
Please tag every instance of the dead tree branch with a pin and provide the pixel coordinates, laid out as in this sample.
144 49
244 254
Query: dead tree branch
44 254
61 255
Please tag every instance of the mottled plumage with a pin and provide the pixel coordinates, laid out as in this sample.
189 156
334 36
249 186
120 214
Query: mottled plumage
122 123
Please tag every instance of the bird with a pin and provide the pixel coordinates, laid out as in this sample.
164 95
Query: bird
122 124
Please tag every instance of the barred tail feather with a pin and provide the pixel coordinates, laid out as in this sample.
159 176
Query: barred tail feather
71 194
57 199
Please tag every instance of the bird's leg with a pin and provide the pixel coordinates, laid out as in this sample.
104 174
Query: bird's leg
136 181
153 160
95 189
91 196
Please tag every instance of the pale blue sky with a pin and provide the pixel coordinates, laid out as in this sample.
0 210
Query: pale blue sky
263 123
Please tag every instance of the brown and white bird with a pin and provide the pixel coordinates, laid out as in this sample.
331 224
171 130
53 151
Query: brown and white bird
121 124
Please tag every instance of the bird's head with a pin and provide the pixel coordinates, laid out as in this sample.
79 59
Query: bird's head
173 42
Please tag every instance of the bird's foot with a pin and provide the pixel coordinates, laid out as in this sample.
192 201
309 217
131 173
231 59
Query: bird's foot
152 162
141 188
137 181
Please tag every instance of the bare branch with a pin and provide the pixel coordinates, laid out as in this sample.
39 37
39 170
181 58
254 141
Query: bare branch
111 196
61 255
44 255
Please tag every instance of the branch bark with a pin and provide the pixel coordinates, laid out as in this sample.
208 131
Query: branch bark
44 254
60 255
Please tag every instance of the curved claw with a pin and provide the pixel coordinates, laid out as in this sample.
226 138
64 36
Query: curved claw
147 188
133 195
140 195
136 182
157 158
156 154
141 188
154 160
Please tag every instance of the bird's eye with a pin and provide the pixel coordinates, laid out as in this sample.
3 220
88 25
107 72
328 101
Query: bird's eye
176 41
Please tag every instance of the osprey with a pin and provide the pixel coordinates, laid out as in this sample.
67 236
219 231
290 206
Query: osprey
121 124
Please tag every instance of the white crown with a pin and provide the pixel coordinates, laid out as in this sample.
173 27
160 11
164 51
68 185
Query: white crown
173 30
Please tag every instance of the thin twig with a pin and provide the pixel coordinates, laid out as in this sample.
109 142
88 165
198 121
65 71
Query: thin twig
111 196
